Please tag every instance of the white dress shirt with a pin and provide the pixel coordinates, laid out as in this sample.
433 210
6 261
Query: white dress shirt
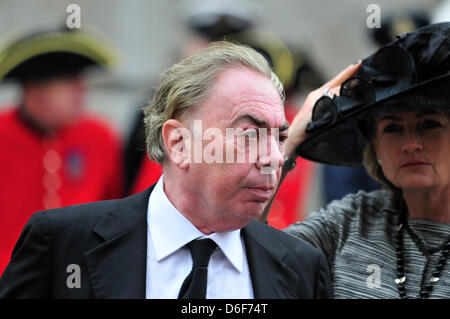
169 261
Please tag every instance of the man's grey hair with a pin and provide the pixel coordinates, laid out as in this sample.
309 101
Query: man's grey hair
188 83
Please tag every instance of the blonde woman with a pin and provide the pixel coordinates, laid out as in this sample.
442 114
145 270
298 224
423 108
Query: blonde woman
391 114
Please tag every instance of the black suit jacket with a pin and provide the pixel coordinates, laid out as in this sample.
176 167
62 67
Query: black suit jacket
108 242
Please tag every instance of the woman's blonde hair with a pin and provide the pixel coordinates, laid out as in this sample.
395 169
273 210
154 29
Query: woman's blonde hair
370 163
188 83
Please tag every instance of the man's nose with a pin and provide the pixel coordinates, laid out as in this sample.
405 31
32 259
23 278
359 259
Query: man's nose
272 159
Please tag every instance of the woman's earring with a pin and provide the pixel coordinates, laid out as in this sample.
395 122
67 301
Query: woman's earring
378 161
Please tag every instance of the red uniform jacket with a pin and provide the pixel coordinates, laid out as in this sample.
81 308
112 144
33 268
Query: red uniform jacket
80 163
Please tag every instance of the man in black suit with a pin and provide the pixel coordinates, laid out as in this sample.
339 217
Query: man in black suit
217 126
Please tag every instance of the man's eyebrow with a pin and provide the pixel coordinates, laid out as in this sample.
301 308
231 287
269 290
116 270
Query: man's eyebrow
259 122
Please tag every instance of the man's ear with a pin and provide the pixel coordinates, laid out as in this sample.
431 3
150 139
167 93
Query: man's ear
177 141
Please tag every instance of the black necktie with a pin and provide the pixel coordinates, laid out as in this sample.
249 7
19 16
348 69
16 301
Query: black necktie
194 286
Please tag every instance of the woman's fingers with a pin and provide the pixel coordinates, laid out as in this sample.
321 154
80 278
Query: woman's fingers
335 83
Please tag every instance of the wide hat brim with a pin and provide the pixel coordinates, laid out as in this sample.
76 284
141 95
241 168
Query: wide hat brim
414 65
47 54
342 143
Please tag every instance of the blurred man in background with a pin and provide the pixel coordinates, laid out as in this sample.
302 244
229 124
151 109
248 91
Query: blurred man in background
52 153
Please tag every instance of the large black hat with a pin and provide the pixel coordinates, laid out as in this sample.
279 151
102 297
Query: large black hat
47 54
417 64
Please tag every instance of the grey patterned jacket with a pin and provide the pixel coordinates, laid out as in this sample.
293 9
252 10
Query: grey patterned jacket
357 236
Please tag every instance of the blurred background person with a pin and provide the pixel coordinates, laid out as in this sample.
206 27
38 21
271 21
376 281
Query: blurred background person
52 153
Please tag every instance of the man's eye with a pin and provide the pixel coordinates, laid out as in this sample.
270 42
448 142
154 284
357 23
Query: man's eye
251 133
283 138
392 128
430 124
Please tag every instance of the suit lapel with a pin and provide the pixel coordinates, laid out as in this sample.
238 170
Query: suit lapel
117 267
271 277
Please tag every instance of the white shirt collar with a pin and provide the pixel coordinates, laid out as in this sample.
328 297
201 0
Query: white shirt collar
170 230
